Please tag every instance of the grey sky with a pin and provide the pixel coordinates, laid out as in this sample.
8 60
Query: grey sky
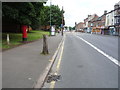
77 10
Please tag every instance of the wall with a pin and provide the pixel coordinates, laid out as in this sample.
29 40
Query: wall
110 19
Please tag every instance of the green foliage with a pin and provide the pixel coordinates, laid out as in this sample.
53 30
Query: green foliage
15 38
24 13
70 28
45 15
36 22
32 14
73 28
56 15
66 27
8 11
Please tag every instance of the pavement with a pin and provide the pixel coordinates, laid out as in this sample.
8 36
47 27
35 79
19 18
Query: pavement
82 66
22 66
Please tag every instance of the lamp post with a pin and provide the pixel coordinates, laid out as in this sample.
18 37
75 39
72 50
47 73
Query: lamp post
52 27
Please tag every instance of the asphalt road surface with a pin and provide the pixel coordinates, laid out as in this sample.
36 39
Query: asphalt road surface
83 66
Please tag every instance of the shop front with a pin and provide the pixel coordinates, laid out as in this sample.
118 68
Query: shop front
96 30
117 28
112 30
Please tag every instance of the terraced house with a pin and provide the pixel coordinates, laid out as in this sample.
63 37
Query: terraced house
99 24
117 17
113 20
89 22
80 26
108 23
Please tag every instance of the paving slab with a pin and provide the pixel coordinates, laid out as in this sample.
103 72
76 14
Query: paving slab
22 66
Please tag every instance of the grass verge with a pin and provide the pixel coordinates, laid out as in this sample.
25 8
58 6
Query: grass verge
16 38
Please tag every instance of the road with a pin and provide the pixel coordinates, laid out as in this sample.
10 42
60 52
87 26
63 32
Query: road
86 62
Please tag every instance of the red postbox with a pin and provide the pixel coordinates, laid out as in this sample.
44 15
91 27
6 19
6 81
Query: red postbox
24 32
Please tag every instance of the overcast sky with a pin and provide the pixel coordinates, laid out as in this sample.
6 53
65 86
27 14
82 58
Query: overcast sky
78 10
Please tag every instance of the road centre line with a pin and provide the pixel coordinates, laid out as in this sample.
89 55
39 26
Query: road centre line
100 51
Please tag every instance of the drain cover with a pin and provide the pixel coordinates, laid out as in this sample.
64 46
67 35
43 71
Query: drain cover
53 78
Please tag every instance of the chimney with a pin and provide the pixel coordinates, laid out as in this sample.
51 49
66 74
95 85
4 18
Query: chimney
116 6
89 15
75 23
105 12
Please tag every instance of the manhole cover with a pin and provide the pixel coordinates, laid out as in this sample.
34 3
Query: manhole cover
53 78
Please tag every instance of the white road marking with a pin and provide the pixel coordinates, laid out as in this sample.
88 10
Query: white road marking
100 51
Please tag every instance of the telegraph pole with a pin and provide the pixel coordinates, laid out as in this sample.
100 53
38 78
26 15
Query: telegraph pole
50 17
62 20
75 26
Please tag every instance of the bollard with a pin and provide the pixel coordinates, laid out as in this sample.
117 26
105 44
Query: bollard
8 39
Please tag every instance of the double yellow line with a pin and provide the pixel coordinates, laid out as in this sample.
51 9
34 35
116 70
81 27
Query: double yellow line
52 84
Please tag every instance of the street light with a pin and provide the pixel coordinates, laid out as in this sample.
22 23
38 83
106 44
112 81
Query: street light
52 27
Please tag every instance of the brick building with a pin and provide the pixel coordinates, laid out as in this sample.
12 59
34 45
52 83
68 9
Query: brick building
99 24
89 22
117 17
80 26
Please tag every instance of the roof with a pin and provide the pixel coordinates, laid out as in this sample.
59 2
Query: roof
99 18
80 23
118 3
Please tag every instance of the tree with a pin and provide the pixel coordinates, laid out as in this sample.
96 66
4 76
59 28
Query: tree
31 14
73 28
56 15
45 45
45 15
70 28
19 12
66 27
37 21
23 13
